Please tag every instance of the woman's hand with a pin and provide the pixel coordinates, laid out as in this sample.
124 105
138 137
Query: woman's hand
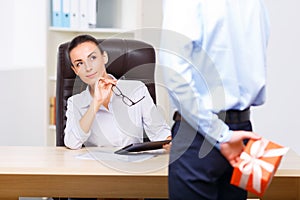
101 96
102 92
167 147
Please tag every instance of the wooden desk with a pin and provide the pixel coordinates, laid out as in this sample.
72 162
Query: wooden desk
56 172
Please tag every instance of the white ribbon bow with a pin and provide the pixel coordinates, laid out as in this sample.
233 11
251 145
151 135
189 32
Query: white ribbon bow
252 164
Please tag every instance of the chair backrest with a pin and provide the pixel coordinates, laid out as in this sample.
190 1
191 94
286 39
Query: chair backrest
128 59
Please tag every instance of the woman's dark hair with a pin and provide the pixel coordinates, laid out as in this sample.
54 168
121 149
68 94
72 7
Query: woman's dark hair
81 39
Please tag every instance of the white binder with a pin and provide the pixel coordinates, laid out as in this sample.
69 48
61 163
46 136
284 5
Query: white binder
74 14
92 13
83 17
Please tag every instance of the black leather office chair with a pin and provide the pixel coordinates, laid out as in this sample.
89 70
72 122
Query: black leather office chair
129 59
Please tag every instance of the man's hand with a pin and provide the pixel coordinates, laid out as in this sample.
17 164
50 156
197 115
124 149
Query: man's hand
232 149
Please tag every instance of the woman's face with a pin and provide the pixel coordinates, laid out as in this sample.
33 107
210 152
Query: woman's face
88 62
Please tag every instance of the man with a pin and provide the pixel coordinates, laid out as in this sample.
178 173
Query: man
213 58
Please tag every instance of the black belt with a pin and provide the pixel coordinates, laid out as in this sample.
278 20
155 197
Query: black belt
229 116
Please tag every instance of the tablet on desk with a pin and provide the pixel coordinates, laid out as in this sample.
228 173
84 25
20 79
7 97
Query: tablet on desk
143 146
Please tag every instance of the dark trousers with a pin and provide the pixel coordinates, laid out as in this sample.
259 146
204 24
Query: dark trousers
197 169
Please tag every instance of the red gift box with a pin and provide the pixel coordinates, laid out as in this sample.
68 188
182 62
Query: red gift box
257 166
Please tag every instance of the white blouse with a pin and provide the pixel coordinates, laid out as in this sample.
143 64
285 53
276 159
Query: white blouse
120 125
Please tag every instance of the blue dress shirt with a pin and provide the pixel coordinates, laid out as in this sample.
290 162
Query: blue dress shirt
213 56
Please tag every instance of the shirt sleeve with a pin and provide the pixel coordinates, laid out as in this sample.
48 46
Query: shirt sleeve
193 82
154 124
74 135
195 97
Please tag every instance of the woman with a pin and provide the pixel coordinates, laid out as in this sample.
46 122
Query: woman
109 112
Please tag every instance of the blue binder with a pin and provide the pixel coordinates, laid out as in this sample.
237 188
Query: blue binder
56 13
66 6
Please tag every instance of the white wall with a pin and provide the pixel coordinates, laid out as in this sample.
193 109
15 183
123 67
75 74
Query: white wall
279 119
22 72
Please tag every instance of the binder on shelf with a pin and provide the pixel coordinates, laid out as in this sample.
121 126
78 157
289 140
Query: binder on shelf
83 17
56 13
92 13
85 14
52 111
66 13
74 17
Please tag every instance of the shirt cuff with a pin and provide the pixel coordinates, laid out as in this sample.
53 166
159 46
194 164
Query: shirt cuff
83 136
225 137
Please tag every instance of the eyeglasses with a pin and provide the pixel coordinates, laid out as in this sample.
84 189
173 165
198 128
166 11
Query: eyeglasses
125 99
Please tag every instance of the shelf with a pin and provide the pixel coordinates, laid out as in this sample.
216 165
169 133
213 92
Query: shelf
52 78
52 127
90 30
